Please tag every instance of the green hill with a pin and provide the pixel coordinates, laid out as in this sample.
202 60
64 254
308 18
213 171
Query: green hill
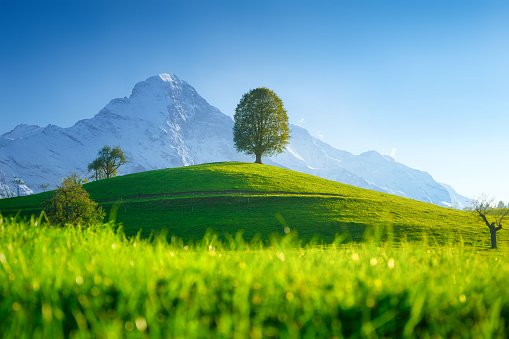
263 200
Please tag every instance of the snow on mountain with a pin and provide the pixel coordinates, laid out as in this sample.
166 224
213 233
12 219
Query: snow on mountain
396 178
21 131
458 201
166 123
310 155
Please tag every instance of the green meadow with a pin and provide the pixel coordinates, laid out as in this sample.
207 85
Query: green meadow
262 200
236 250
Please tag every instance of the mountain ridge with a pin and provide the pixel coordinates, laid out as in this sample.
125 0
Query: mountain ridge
166 123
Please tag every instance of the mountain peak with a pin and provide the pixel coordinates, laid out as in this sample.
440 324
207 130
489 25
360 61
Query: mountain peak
166 123
169 77
162 85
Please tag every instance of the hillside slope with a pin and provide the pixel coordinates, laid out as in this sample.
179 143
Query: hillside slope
262 200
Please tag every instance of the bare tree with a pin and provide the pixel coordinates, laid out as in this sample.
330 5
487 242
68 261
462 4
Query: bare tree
484 206
44 187
17 181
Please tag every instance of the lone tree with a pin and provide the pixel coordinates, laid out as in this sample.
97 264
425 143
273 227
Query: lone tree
484 206
70 204
261 124
107 163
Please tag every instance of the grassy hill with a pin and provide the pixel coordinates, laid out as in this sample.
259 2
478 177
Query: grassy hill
263 200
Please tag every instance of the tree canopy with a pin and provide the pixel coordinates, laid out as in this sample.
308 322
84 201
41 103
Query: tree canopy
261 124
107 163
70 204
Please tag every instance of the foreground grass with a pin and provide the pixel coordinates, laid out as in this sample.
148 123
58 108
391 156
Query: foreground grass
88 283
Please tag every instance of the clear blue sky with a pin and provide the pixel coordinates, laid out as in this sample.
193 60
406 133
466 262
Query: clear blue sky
426 79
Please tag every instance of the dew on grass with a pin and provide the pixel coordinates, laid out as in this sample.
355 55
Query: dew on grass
47 313
129 326
289 296
257 300
141 324
370 303
390 263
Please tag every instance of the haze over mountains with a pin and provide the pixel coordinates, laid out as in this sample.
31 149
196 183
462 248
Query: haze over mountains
166 123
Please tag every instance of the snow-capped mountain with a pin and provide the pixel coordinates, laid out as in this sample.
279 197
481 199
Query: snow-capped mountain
166 123
457 201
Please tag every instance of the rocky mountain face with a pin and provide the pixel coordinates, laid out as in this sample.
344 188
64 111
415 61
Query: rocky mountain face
166 123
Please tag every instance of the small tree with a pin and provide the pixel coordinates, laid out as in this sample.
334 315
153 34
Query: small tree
261 124
70 204
501 204
44 187
97 169
107 162
484 208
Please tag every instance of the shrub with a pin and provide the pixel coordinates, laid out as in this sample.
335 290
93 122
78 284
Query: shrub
70 204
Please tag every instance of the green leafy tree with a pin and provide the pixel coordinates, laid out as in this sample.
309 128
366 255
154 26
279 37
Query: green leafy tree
261 124
97 169
501 204
70 204
107 163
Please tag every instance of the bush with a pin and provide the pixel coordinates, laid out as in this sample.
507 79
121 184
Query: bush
70 204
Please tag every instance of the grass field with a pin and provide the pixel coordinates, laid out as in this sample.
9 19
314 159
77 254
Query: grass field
95 283
263 200
234 250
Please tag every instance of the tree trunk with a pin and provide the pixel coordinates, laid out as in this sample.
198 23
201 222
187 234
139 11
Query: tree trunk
258 159
493 232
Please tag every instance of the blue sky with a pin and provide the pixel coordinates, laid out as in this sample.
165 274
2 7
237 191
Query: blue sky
427 80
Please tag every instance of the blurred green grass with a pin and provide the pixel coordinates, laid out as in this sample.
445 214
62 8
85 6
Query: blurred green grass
97 283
